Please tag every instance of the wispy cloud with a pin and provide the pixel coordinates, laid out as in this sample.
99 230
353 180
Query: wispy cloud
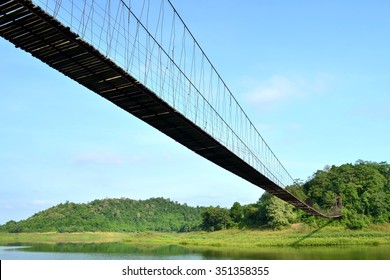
273 90
99 157
279 89
295 127
41 202
373 109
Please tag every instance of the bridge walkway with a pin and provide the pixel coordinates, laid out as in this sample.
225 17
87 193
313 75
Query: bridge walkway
30 28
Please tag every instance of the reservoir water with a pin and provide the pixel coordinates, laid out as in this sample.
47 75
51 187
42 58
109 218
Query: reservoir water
123 251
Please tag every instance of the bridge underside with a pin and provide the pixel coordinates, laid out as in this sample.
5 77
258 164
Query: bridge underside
28 27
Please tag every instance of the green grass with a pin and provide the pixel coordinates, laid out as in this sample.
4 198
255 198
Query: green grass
295 236
54 237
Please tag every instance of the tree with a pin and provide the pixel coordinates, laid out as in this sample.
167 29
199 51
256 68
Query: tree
279 213
237 213
275 212
13 227
251 216
216 218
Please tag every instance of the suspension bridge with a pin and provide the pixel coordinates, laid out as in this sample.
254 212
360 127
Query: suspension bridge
141 56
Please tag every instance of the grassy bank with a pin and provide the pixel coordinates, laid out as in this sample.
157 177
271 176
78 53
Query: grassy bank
296 236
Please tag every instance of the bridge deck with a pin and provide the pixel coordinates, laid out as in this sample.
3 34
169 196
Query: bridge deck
28 27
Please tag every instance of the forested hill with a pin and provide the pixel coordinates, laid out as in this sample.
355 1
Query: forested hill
155 214
363 187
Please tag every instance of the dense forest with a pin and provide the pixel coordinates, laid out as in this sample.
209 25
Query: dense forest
361 190
155 214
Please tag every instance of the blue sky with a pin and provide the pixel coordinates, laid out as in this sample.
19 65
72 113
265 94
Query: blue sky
313 77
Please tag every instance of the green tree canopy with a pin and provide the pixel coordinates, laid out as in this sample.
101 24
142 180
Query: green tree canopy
216 218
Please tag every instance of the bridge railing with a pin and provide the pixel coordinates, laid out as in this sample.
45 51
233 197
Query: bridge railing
149 40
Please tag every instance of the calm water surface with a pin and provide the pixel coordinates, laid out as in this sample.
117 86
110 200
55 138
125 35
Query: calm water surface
123 251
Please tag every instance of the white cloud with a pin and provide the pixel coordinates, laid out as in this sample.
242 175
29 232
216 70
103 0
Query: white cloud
296 127
99 157
373 109
279 89
274 89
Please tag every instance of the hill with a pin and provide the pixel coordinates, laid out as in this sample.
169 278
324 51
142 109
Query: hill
363 188
155 214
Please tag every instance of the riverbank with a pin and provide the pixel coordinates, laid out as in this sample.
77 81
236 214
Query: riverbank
295 236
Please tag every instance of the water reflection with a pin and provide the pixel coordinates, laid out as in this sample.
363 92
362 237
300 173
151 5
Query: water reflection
105 251
307 253
120 251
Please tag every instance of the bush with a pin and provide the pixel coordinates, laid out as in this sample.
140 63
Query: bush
356 224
